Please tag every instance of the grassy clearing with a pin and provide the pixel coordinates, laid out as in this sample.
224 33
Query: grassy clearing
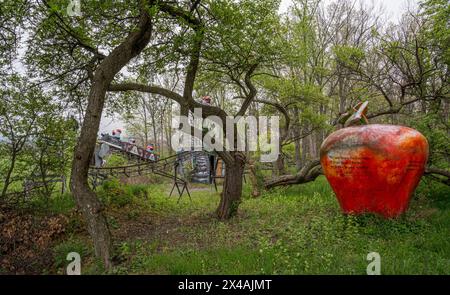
296 230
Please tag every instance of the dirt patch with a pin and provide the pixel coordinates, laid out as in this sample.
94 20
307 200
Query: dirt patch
26 240
165 230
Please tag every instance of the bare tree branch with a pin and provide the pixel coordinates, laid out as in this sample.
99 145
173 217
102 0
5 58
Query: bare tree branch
308 173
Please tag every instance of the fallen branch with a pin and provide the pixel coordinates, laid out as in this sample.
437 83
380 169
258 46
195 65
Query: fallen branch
432 172
313 169
308 173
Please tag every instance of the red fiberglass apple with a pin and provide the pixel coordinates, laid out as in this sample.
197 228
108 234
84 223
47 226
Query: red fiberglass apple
374 168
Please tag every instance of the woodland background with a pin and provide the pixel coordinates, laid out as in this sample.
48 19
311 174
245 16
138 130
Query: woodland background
144 62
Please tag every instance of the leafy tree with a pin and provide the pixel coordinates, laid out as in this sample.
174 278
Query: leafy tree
148 38
396 67
12 14
35 136
437 13
310 66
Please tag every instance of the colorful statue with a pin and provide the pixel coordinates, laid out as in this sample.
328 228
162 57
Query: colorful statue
373 168
206 99
151 152
116 133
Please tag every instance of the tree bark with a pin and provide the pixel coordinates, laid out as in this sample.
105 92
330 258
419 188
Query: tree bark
86 199
298 154
232 187
279 167
341 93
312 145
309 172
253 179
155 136
144 108
305 147
297 132
9 173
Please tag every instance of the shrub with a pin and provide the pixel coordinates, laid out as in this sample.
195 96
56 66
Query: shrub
61 250
113 193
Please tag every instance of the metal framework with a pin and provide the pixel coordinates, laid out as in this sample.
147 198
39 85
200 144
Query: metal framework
166 167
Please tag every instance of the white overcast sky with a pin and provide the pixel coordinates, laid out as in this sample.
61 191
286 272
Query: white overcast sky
393 11
393 8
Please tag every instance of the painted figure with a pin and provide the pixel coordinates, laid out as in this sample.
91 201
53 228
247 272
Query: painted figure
116 133
151 150
206 99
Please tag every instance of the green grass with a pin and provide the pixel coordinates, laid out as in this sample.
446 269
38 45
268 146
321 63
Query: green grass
295 230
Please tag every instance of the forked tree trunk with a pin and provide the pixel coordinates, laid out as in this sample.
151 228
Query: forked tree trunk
232 187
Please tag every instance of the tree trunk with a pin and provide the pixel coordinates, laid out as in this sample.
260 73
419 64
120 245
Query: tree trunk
305 147
253 179
320 134
155 136
297 142
298 154
43 175
144 107
312 145
184 110
168 127
342 96
162 134
86 200
279 165
232 187
9 173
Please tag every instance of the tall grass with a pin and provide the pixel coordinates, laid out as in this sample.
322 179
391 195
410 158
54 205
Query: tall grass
294 230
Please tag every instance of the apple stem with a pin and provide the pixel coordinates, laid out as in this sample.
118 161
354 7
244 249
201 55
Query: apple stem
359 115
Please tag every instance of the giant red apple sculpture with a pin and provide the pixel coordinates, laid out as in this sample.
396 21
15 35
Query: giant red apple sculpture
374 168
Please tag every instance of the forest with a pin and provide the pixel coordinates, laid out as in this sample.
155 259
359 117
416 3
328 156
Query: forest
88 95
